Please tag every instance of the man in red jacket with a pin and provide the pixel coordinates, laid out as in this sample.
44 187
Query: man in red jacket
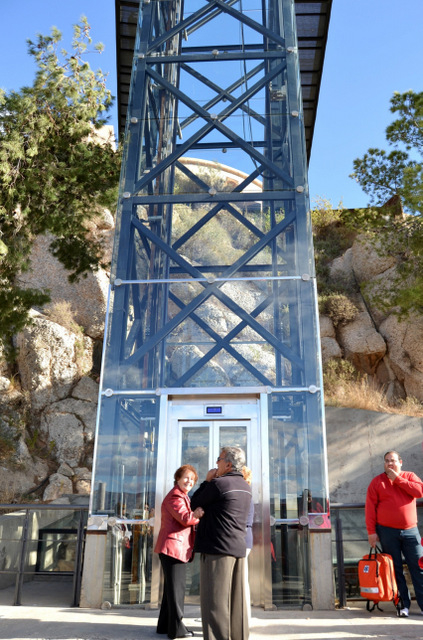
391 519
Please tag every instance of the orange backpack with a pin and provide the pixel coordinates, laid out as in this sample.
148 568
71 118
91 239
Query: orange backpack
376 578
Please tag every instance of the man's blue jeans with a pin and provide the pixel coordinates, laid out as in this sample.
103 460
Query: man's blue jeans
404 542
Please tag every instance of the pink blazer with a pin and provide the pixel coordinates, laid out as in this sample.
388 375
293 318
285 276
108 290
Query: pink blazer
176 535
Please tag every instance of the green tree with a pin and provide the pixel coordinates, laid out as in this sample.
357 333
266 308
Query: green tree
54 176
390 178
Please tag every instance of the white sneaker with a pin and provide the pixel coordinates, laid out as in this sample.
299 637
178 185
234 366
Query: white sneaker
404 613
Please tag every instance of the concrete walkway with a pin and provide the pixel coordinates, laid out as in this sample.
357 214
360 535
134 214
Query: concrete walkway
55 622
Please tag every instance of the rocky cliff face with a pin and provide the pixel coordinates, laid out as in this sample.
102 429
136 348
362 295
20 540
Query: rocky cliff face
388 350
48 399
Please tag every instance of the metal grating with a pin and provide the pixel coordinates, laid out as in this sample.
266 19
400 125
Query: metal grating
312 27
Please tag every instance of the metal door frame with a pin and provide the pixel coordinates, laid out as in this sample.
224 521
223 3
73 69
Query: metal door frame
173 409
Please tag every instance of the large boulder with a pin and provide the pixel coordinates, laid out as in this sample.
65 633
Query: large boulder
327 330
20 480
405 348
374 289
87 298
86 389
48 361
58 486
330 349
328 343
362 343
85 411
82 481
368 261
341 269
64 435
68 428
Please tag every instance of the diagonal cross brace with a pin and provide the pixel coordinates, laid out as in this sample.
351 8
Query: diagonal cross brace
201 133
213 289
223 343
214 9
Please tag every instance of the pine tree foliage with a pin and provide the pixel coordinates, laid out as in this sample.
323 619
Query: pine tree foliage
54 176
389 178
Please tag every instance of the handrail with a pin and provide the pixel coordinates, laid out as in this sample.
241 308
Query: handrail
361 505
35 506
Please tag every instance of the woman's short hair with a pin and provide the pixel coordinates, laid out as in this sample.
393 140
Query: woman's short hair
234 455
185 467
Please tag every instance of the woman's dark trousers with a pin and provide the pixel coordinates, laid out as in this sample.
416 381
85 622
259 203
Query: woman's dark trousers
172 607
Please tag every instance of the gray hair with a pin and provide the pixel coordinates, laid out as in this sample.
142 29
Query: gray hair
236 456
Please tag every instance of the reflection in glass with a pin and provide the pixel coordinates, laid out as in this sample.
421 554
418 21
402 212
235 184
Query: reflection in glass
234 437
125 469
195 449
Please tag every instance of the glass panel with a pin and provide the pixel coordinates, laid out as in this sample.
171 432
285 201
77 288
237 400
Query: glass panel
124 485
199 334
11 530
125 466
127 577
355 545
297 456
56 550
51 540
10 555
230 436
290 579
217 235
195 450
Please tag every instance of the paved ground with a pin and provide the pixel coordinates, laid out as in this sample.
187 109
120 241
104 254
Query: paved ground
43 622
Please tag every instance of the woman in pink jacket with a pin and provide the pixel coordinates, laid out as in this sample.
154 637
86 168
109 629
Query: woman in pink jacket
175 546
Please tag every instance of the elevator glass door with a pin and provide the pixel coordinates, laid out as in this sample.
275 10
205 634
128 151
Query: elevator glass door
201 443
191 437
200 446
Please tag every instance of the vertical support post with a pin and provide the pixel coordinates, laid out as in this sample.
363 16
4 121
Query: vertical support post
321 570
93 573
340 562
78 561
21 569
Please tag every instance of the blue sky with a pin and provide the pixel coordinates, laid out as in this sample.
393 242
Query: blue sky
375 47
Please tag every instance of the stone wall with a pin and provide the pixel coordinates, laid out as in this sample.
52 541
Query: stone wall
357 441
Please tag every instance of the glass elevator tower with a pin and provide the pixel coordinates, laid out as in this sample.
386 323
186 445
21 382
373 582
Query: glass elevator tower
212 333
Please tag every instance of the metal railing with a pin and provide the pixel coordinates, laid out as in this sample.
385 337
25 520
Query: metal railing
351 543
23 567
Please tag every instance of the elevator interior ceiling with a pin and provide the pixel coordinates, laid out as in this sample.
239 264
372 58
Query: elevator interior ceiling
312 28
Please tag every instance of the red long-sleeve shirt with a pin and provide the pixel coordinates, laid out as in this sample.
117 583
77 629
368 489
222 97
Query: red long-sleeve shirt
393 503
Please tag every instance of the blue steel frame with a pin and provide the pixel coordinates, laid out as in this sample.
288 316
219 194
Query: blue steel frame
146 308
151 186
